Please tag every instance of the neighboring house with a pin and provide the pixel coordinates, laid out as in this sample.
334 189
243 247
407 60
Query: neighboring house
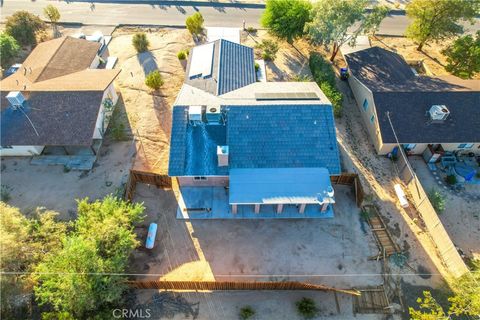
426 113
270 145
58 99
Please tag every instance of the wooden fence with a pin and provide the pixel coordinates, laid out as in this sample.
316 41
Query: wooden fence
350 179
160 181
235 285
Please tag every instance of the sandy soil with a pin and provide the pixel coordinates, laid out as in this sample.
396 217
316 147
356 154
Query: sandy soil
149 113
51 187
458 217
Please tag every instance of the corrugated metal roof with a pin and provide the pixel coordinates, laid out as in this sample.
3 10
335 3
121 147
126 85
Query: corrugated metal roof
279 185
236 67
282 136
176 164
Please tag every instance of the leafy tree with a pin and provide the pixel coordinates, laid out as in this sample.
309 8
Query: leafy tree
23 26
373 20
194 23
332 21
51 13
154 80
463 56
9 48
306 307
81 280
286 18
269 49
435 20
140 42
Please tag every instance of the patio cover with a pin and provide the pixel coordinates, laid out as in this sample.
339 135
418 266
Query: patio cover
279 185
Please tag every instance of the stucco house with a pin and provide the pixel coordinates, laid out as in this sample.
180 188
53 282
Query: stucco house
263 147
424 113
58 100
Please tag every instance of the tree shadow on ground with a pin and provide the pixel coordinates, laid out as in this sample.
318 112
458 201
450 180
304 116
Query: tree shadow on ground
148 62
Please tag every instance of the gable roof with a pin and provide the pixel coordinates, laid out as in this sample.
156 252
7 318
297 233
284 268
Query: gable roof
407 98
60 118
267 136
233 67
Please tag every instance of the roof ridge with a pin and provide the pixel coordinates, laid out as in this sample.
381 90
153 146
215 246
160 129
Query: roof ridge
51 57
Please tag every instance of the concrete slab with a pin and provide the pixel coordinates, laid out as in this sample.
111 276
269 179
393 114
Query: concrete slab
212 203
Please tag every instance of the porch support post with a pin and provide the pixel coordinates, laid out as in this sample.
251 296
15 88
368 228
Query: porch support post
301 209
257 208
93 150
279 208
234 208
66 151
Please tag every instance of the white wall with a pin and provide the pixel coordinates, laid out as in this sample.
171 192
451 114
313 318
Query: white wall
95 62
104 117
210 182
21 151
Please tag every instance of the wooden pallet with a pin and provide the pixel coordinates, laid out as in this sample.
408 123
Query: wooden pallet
384 240
371 300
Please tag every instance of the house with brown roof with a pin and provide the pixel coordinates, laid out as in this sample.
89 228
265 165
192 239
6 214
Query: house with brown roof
59 101
423 114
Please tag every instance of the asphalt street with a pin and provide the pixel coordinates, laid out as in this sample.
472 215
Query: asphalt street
169 13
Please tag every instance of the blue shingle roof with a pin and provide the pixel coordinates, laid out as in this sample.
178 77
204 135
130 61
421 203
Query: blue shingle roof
279 136
236 67
282 136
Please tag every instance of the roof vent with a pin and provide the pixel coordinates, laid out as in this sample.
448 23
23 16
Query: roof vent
222 154
15 98
438 113
213 115
195 114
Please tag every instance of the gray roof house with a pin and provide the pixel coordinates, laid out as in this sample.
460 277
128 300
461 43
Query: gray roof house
56 102
246 149
423 112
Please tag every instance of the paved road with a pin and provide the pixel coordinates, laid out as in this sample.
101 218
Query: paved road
115 12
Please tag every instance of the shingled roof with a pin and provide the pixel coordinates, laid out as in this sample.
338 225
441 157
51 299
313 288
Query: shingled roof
407 98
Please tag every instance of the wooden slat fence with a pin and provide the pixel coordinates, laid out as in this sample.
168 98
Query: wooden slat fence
160 181
350 179
235 285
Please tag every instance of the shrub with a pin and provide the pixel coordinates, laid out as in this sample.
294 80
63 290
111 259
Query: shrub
182 55
194 23
451 179
23 26
251 30
154 80
5 193
301 78
8 48
306 307
246 312
335 97
269 49
437 200
51 13
257 66
140 42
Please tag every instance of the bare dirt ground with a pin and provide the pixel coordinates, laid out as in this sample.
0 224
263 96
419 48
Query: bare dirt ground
458 217
148 114
32 186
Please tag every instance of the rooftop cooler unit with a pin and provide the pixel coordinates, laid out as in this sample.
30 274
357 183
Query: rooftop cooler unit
213 115
15 98
438 113
222 154
195 114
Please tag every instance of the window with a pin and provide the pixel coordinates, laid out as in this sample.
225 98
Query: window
372 118
200 178
365 105
465 145
409 146
6 147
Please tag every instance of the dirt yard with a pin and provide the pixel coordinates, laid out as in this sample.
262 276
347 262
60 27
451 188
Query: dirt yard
148 114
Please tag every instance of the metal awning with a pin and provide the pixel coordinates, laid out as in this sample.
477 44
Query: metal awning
280 186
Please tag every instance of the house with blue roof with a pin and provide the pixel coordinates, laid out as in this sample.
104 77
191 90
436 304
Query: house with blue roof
243 149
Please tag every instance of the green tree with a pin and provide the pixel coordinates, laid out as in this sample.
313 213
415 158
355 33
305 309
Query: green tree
9 49
463 56
332 22
82 279
23 26
51 13
373 20
140 42
286 18
194 23
435 20
269 49
154 80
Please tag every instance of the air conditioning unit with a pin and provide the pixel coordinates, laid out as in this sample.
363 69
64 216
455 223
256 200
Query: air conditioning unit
222 154
15 98
195 114
213 114
438 112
